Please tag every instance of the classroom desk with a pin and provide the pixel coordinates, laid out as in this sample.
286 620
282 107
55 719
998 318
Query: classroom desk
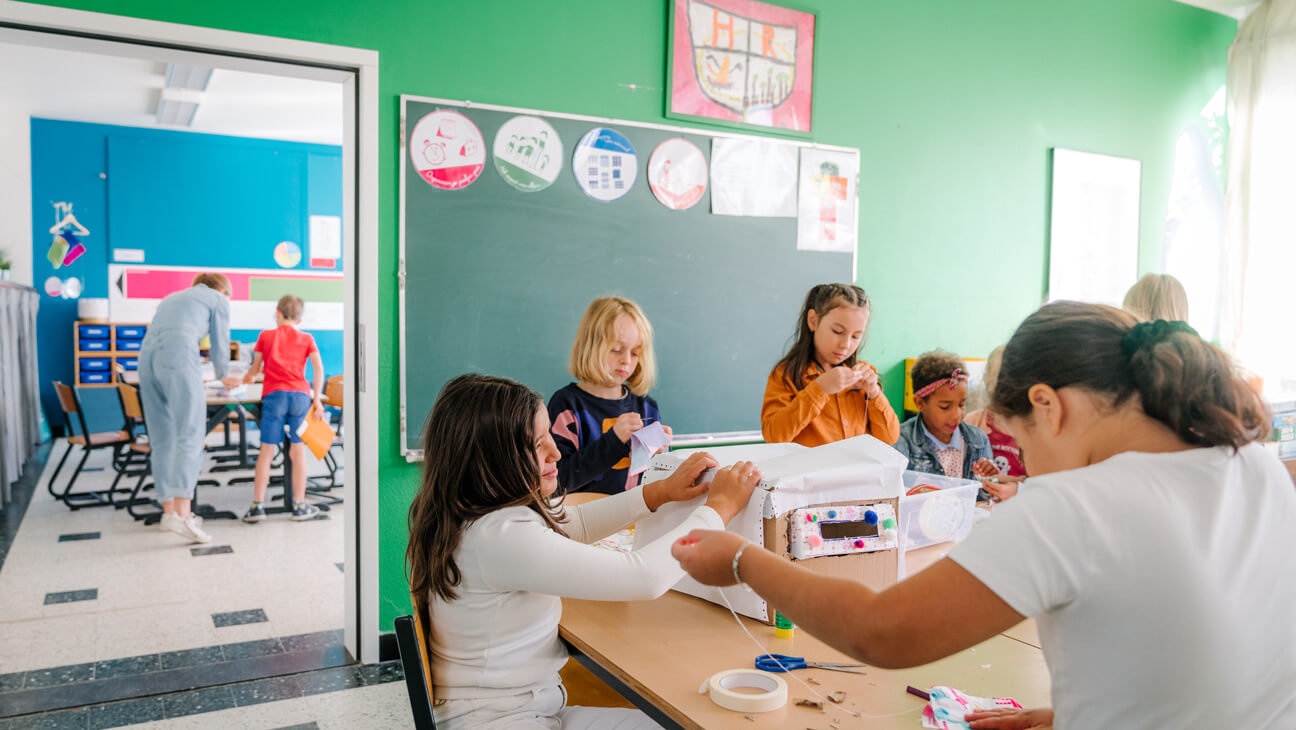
663 650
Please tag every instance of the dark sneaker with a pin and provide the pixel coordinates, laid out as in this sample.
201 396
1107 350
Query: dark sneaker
305 512
254 515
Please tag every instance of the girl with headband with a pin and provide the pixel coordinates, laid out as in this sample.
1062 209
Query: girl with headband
937 441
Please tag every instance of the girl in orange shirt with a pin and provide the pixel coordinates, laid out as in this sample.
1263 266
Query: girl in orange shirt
821 391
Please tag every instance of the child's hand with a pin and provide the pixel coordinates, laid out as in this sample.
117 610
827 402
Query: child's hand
1000 490
985 468
732 489
1006 719
669 434
707 555
838 379
626 424
681 485
231 381
319 409
868 381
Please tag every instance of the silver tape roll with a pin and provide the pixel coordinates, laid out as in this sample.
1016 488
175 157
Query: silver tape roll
772 690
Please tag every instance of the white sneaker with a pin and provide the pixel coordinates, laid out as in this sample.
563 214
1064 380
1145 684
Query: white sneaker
188 527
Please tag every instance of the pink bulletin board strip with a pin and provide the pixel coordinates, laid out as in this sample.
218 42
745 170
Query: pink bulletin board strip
158 283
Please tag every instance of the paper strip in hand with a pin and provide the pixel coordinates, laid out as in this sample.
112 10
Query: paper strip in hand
644 445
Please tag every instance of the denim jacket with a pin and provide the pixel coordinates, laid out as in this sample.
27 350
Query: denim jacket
915 445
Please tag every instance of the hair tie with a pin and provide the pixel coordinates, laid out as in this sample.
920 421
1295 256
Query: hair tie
1147 334
951 382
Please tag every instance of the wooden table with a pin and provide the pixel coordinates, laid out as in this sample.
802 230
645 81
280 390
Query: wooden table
663 650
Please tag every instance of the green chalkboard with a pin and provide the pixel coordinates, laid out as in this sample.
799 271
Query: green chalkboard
495 280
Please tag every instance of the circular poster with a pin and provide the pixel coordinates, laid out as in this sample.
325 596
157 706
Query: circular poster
677 173
447 149
54 286
528 153
287 254
71 288
605 164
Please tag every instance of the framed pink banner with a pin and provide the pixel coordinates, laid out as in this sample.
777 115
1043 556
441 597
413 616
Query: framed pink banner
741 63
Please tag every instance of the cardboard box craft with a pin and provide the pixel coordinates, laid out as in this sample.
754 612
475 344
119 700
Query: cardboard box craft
860 471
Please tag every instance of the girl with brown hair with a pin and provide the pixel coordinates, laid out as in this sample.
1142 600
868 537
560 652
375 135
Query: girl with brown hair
494 554
1152 547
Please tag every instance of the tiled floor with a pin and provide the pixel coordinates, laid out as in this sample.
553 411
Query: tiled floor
344 697
94 584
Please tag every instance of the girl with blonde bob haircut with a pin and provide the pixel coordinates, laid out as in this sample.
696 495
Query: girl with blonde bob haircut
1157 296
594 417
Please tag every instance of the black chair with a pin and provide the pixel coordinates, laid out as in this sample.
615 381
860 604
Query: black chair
139 463
411 639
71 405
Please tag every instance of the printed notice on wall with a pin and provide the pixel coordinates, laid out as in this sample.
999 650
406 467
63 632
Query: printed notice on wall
325 240
826 201
753 177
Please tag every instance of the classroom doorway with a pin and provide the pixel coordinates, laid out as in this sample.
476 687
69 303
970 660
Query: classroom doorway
259 599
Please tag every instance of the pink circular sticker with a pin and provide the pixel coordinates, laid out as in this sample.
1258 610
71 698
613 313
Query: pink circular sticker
447 149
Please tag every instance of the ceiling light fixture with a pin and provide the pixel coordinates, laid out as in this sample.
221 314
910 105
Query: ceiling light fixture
184 76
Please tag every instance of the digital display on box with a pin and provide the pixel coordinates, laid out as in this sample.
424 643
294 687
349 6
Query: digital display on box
839 530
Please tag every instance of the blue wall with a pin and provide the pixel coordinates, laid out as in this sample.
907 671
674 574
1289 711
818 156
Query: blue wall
227 202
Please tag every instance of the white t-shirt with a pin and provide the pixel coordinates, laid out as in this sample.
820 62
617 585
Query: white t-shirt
500 636
1162 584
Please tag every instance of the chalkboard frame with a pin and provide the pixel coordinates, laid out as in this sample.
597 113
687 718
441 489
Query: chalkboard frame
412 454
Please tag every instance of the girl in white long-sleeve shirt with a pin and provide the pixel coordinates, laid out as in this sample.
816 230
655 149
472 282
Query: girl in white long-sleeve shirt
495 556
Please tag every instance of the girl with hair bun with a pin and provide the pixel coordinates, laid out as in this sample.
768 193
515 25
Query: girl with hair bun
1153 547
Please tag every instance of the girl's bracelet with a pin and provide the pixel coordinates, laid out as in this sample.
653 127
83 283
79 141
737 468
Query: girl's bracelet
738 556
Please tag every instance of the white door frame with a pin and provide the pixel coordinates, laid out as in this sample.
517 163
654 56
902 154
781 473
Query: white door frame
357 70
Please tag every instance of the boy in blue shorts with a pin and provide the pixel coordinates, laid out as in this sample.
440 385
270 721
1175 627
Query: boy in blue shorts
285 400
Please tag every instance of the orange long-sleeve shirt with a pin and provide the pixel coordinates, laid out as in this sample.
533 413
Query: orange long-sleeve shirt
811 417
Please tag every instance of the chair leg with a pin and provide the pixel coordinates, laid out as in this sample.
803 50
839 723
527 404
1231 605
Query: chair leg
93 498
57 469
136 499
67 494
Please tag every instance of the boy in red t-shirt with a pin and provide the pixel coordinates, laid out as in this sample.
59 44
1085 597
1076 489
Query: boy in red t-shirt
285 400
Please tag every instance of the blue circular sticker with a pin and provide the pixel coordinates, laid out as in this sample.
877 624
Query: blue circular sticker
605 164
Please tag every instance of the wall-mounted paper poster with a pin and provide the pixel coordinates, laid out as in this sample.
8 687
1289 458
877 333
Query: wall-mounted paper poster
605 164
54 286
677 173
1094 226
528 153
826 202
287 254
741 63
447 149
756 177
325 241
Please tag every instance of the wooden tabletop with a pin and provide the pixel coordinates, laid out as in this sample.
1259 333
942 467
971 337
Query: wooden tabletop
665 649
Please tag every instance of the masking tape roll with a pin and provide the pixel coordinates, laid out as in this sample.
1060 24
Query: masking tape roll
722 684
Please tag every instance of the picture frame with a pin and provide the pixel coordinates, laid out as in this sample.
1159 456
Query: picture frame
745 64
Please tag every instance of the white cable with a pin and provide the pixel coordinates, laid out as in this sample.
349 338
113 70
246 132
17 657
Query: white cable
827 702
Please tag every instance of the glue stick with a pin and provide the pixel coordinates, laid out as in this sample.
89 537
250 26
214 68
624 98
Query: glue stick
783 628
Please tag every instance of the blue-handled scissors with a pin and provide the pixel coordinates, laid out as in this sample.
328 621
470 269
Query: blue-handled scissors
784 663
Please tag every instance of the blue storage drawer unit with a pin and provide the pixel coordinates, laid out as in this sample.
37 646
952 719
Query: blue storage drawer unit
92 378
95 363
95 345
93 331
128 363
128 345
130 331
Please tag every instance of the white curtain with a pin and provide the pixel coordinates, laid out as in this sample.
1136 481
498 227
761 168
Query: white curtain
1258 290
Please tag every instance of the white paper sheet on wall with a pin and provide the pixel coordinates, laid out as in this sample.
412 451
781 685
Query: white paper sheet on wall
826 201
753 178
325 237
1094 233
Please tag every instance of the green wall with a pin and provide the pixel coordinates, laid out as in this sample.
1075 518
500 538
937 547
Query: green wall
954 105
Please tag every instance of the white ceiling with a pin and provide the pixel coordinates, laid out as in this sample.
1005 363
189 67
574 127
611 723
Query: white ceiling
1235 8
85 87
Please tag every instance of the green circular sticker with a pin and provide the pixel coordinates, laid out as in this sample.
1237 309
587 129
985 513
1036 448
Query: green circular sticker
528 153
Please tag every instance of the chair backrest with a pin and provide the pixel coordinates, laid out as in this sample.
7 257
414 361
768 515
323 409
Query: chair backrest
333 390
130 402
71 405
411 639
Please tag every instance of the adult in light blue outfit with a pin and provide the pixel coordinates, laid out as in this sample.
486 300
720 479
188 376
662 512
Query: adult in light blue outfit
172 394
